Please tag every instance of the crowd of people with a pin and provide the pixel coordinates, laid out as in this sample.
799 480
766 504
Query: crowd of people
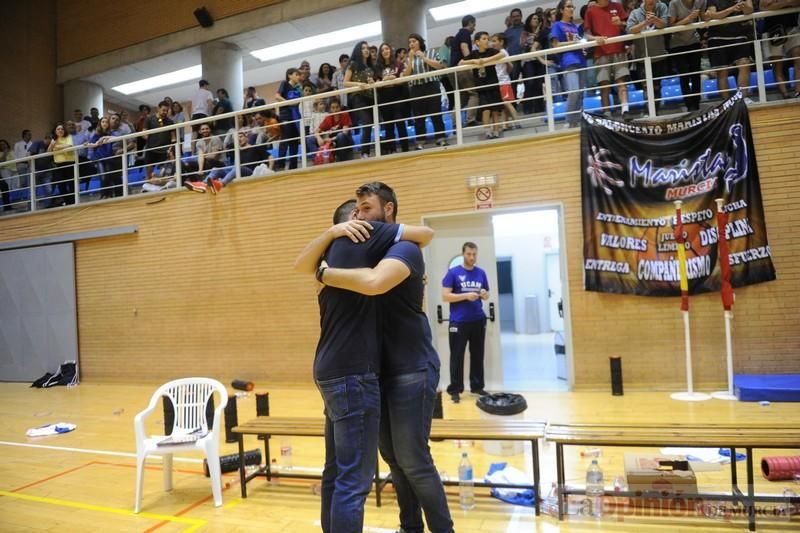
338 128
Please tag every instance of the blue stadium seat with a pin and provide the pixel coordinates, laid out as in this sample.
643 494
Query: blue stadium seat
732 84
670 81
591 102
560 110
635 97
710 89
671 94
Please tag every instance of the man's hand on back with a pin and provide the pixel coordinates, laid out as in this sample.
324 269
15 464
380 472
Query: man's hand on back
355 230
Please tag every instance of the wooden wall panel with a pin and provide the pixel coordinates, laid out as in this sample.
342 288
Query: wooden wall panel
207 287
93 27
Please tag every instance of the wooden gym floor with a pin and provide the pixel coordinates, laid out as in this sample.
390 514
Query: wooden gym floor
85 480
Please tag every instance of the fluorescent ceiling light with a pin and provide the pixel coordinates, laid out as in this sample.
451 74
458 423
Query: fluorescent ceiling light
162 80
468 7
346 35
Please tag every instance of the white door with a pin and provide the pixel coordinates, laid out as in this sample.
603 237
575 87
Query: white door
554 299
451 233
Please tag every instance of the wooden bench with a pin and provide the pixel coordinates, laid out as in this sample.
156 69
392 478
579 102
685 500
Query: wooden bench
680 435
519 430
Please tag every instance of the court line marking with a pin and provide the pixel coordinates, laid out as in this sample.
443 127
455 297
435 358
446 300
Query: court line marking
38 482
193 523
86 450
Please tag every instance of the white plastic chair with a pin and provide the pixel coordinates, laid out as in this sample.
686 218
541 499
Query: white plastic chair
189 397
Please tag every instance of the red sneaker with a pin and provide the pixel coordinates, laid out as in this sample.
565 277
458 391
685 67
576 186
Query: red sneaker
196 186
214 185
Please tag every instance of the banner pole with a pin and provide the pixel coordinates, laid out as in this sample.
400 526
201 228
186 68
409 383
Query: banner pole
689 395
727 300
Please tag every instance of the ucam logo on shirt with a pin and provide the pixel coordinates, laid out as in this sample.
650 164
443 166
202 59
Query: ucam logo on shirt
470 285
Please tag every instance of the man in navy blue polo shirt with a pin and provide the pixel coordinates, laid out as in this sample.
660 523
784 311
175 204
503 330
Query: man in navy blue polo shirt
347 363
409 367
465 286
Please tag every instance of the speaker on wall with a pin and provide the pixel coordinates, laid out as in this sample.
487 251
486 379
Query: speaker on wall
203 17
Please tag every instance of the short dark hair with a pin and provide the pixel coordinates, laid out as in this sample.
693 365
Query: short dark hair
223 91
24 132
399 51
502 38
143 107
479 34
290 71
384 193
203 83
467 20
163 103
518 10
469 244
94 109
583 10
344 211
344 57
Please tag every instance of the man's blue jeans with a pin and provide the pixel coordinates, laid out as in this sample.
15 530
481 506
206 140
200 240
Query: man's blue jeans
407 402
352 416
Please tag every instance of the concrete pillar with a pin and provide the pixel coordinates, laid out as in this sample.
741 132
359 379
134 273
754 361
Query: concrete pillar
222 67
83 95
401 17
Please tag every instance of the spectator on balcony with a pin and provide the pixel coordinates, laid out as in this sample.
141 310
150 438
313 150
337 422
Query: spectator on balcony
209 150
782 40
42 174
101 151
337 79
125 124
64 160
685 47
513 36
736 40
571 64
486 83
94 118
22 149
81 124
461 48
6 173
267 130
290 89
144 113
158 143
337 127
307 108
361 73
222 106
425 91
391 111
251 98
178 117
80 138
249 158
324 78
373 53
650 15
202 102
168 100
534 38
447 80
604 20
317 115
507 92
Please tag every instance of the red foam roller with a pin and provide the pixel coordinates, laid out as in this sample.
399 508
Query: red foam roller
779 468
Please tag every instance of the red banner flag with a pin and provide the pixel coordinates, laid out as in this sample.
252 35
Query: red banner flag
726 289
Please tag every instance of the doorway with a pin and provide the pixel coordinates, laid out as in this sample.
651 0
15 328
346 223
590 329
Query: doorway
520 251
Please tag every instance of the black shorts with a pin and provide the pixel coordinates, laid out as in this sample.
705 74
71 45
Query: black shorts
156 156
489 99
724 57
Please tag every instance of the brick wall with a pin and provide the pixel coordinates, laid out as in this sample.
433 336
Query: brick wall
206 285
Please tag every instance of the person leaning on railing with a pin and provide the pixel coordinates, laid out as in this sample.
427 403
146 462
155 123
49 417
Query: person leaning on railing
604 20
391 111
782 39
650 15
425 92
361 73
685 47
736 41
288 148
564 33
64 162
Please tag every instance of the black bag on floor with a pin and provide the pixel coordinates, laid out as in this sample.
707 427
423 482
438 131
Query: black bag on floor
502 403
67 375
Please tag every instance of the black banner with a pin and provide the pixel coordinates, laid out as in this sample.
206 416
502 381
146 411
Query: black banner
632 172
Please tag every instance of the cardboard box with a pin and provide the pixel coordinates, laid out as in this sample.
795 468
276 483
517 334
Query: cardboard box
643 474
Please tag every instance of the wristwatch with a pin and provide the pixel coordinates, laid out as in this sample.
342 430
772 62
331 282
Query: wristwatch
320 272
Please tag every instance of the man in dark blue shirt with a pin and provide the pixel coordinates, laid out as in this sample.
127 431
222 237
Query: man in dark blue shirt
464 286
347 363
409 367
461 48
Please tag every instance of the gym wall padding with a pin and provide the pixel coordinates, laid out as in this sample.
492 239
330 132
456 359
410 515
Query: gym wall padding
207 284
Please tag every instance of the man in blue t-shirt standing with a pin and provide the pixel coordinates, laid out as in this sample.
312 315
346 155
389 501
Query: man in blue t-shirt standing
464 287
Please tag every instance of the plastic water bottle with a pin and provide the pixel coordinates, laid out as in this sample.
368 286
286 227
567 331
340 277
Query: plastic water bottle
594 488
286 454
466 485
